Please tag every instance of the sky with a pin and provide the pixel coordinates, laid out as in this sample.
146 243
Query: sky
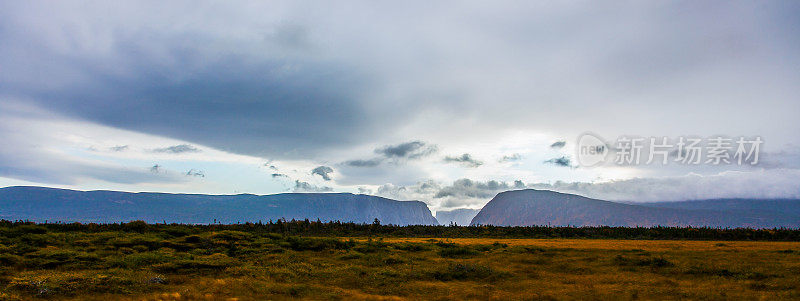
448 103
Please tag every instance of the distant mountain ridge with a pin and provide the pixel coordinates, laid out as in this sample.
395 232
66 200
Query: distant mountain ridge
540 207
461 217
41 203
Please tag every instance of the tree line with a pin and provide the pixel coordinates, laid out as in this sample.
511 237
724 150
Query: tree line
349 229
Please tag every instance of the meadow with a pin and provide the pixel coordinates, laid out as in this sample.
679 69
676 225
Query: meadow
137 261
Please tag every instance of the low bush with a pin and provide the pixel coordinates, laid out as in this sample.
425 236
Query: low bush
412 247
467 272
317 244
656 262
457 252
213 262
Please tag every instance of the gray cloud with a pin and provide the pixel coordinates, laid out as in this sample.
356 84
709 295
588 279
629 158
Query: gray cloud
560 161
118 148
364 163
460 193
465 159
511 158
558 144
475 189
177 149
241 96
322 171
300 186
770 183
196 173
410 150
306 79
33 152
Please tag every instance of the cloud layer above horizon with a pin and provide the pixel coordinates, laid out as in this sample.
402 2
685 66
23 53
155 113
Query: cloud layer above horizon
447 102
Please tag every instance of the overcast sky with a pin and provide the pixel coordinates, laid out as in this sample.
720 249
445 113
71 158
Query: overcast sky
444 102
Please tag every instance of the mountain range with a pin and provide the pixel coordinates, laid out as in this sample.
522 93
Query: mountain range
511 208
49 204
541 207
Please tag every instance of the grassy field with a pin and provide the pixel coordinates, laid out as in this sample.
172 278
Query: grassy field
226 264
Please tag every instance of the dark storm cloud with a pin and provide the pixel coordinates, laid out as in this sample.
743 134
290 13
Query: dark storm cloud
177 149
410 150
560 161
558 144
464 159
323 171
300 186
174 87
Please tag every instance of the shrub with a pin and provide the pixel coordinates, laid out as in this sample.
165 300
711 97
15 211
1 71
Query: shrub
656 262
372 246
493 246
135 226
467 272
231 236
52 257
133 241
145 259
9 259
351 256
412 247
457 251
316 244
213 262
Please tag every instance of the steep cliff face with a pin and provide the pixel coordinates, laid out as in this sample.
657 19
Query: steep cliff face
40 204
541 207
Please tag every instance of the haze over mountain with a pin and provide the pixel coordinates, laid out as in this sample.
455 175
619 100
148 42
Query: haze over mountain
41 204
461 217
760 206
540 207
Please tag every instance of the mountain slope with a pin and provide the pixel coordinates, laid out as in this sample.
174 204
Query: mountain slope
539 207
40 204
461 217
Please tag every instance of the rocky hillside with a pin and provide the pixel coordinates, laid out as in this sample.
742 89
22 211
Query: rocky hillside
541 207
41 204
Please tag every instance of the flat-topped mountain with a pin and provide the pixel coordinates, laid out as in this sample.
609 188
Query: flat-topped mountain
41 204
541 207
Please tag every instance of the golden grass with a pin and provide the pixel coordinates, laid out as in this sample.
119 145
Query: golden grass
612 244
393 269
